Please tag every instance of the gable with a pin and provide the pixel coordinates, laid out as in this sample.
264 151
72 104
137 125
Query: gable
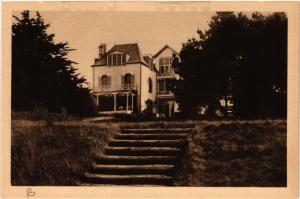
132 51
164 49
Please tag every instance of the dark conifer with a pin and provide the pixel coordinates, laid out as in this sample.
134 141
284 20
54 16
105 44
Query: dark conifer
42 74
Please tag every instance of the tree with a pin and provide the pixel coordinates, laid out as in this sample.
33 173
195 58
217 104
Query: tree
238 56
262 83
41 71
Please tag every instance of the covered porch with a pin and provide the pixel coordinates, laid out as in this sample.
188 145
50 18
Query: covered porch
117 102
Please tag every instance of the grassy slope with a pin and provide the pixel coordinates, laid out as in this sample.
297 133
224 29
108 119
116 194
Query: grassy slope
229 153
232 153
55 154
236 154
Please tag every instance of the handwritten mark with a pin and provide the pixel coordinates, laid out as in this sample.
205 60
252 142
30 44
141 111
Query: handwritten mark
30 193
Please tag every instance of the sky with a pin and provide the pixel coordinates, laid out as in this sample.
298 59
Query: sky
85 30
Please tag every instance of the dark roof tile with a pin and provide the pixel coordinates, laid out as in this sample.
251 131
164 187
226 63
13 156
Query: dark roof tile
133 50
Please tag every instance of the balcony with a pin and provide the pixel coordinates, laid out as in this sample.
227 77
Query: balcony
103 88
128 87
165 93
166 74
109 88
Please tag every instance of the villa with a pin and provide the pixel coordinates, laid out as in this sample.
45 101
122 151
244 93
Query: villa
127 81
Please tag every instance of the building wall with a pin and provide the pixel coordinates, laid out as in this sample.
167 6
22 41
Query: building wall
146 74
115 73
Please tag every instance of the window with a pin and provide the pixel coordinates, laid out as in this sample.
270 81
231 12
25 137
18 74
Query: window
165 64
165 61
164 86
104 81
161 69
116 59
161 85
128 81
119 59
167 68
150 85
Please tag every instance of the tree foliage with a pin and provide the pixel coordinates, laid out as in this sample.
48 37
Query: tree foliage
41 72
239 56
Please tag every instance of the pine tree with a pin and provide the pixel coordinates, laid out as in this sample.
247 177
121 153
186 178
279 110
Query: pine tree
41 72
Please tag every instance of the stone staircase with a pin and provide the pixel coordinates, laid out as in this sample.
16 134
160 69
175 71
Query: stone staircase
140 157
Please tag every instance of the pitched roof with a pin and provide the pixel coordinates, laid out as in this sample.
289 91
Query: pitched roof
133 50
165 47
147 59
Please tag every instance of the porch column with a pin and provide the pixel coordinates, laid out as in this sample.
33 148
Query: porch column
132 102
170 109
115 102
127 101
97 102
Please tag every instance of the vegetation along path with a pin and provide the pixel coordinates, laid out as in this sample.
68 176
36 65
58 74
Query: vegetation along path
140 157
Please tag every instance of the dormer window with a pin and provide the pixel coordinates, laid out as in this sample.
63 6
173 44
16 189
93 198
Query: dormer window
116 59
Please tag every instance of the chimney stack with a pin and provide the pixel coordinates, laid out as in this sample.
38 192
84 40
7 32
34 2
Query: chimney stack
102 49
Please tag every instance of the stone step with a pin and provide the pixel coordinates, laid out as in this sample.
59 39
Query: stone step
128 179
141 151
160 126
147 143
133 169
157 130
114 159
121 185
136 136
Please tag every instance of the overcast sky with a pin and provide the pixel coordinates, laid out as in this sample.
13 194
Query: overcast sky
151 30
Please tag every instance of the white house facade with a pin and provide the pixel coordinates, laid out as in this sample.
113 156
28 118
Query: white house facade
124 80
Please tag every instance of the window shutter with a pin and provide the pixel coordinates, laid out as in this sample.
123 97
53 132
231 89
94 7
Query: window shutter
123 81
132 79
108 80
99 82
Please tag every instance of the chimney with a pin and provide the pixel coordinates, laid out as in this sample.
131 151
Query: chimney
102 49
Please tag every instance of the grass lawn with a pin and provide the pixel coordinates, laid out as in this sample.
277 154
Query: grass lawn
220 153
55 154
248 153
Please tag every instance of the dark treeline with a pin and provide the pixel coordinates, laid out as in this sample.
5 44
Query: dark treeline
239 56
42 75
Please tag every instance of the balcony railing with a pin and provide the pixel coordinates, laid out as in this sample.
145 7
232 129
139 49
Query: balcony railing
104 88
166 74
116 88
164 93
128 87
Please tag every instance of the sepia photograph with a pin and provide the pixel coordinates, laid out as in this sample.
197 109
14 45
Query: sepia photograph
159 98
